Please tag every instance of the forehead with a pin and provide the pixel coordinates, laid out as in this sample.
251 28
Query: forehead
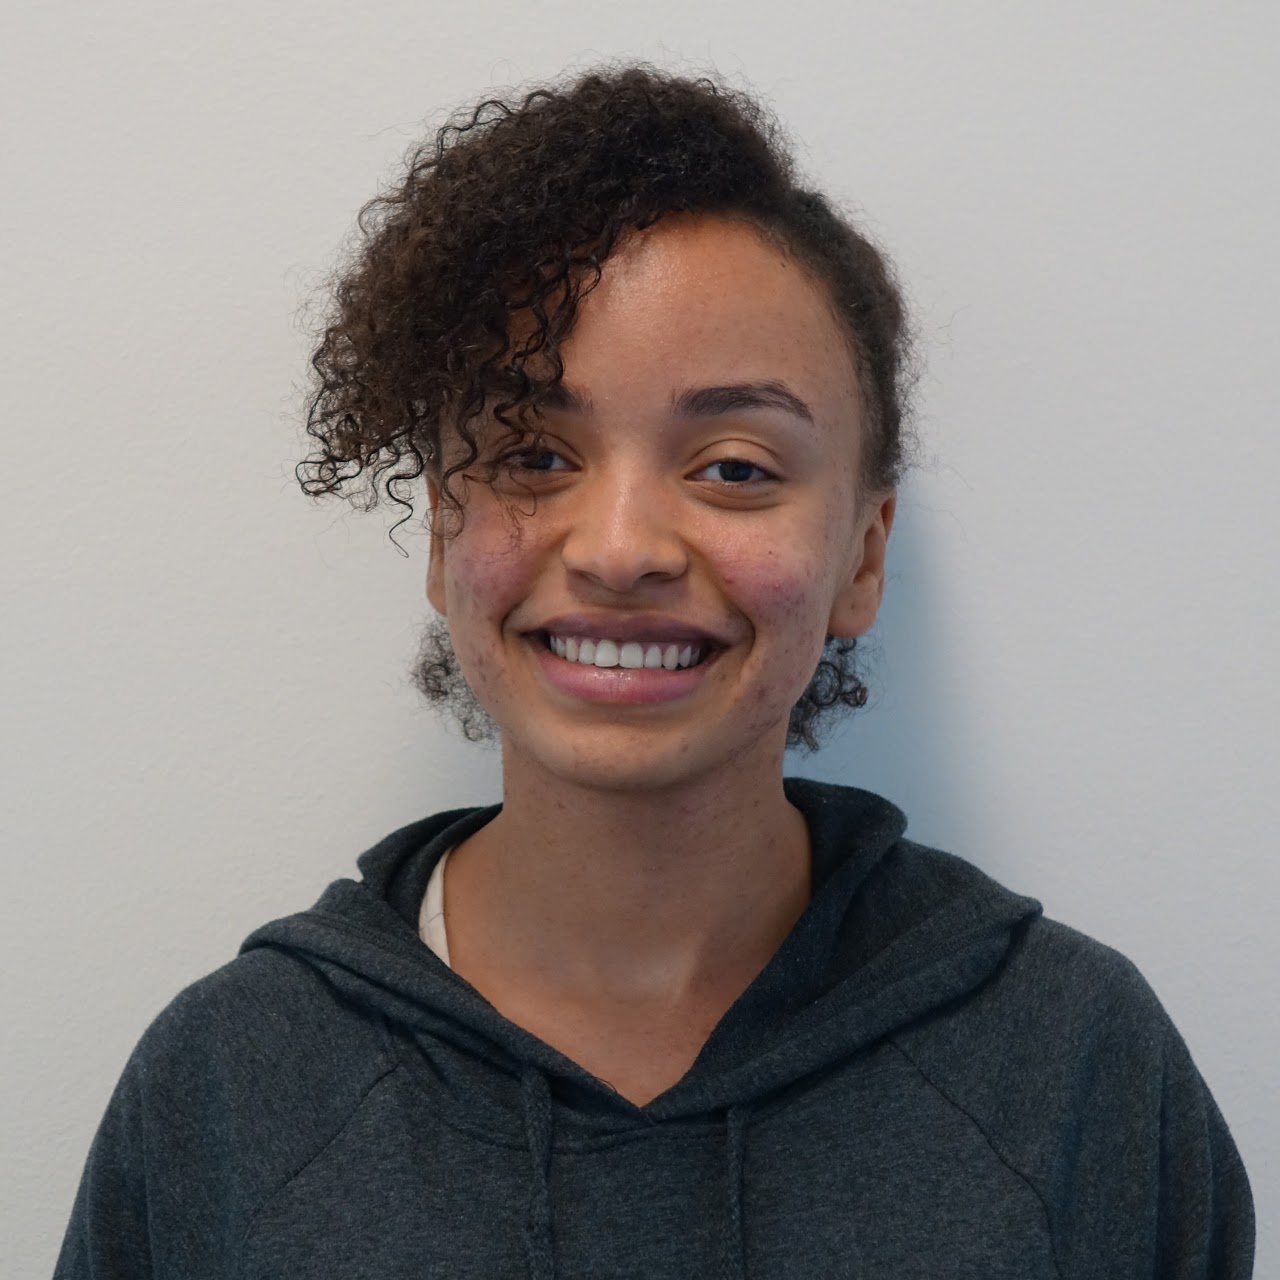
705 300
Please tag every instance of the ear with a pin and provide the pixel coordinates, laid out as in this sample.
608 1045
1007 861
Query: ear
858 601
435 562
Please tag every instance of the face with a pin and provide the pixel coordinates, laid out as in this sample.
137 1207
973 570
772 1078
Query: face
693 502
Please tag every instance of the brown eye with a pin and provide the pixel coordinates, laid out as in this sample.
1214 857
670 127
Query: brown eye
540 460
736 471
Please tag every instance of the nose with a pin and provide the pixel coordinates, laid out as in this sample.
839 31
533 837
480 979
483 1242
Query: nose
623 531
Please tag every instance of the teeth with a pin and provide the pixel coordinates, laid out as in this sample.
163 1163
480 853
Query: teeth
632 654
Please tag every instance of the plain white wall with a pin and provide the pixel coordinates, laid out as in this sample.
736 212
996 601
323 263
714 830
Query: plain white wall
206 715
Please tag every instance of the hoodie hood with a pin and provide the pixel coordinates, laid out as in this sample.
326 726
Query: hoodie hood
893 930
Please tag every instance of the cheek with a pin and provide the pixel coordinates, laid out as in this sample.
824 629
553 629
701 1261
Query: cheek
778 590
485 577
788 604
484 565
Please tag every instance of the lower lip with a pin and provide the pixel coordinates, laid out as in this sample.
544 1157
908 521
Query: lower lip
619 685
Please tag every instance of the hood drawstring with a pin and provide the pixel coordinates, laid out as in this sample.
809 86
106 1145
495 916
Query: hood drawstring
539 1241
539 1237
734 1266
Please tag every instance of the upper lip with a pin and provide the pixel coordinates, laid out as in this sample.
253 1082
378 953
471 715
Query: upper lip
646 627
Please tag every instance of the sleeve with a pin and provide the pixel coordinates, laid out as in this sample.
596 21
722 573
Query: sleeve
1095 1100
1205 1217
159 1198
107 1236
230 1091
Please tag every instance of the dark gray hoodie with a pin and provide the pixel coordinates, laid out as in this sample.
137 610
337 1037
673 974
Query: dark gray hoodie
928 1080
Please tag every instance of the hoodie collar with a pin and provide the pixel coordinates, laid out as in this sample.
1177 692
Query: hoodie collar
893 929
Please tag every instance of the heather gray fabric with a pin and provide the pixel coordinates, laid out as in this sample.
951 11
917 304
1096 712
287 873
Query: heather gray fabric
929 1080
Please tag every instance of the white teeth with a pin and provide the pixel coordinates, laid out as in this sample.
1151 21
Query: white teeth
632 654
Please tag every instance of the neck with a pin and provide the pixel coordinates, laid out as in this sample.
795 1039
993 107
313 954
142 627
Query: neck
663 896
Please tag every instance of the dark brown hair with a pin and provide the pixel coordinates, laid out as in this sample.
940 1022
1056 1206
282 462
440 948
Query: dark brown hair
513 208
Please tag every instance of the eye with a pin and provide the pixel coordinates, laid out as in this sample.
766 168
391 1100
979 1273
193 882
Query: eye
736 472
541 461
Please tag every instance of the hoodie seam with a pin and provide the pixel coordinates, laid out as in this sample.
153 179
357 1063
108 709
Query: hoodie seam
310 1160
957 942
403 1049
995 1150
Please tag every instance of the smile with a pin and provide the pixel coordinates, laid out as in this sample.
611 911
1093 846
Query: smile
615 672
630 654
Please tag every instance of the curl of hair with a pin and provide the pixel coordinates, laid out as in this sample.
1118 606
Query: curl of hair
511 210
437 676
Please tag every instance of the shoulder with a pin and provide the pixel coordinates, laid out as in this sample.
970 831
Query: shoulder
255 1066
1064 1057
1060 1003
1063 976
1064 1022
262 1014
242 1079
1068 1064
1053 976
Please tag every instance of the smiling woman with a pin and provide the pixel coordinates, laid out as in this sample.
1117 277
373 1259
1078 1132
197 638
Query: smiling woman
661 1012
696 483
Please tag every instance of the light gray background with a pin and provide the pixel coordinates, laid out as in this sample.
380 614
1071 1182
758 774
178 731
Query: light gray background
205 711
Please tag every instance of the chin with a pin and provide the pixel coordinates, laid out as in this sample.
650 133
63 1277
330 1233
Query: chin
615 761
620 760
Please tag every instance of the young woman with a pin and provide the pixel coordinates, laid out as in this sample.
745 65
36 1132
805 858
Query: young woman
662 1012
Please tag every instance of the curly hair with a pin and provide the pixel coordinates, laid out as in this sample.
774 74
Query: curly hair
512 209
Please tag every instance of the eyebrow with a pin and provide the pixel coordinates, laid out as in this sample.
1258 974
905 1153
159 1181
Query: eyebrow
708 402
701 402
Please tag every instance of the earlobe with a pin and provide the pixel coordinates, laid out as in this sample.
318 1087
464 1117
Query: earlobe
436 595
857 604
